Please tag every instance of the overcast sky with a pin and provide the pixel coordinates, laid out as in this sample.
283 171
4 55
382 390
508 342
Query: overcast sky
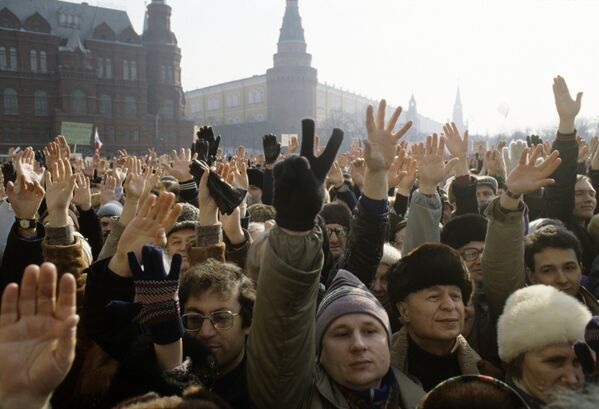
503 54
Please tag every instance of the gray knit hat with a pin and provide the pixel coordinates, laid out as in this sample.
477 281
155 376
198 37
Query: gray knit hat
488 181
188 219
347 295
111 208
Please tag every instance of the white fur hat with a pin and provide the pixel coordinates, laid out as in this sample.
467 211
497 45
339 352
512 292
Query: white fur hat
538 316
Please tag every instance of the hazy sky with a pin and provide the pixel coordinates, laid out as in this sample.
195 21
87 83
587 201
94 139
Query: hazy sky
501 53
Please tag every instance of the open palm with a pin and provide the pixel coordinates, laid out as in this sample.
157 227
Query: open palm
527 176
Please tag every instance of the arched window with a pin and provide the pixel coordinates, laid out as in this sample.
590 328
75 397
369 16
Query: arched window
130 108
100 67
125 69
105 106
3 64
108 71
11 102
13 59
79 101
33 60
168 109
43 62
40 103
133 70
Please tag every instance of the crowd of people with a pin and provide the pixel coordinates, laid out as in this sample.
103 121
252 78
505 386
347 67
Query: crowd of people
390 276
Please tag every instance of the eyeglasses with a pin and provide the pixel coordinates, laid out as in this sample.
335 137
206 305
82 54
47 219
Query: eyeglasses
339 231
193 321
471 254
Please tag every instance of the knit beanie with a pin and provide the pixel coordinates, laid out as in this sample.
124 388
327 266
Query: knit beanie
188 219
336 213
426 266
298 195
537 316
347 295
111 208
255 177
487 181
463 229
260 212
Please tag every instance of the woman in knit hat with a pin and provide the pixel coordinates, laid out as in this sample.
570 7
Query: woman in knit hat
536 334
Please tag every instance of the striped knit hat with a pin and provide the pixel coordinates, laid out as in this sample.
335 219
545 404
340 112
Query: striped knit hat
347 295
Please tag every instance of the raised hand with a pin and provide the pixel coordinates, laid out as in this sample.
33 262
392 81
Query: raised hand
108 190
208 207
293 145
512 154
37 336
82 196
584 151
52 154
335 177
380 144
63 147
207 144
431 167
60 183
409 171
25 198
180 165
272 149
358 168
456 145
495 163
25 165
155 217
527 176
322 164
567 108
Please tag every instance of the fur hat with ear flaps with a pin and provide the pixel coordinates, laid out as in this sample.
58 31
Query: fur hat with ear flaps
538 316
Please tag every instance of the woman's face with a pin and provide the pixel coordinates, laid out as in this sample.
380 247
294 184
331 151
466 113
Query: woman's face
548 370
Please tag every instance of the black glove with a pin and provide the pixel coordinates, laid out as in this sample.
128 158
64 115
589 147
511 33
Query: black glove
320 166
200 147
272 148
533 140
299 181
227 197
9 173
206 135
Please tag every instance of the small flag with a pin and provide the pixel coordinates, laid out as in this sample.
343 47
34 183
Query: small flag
97 141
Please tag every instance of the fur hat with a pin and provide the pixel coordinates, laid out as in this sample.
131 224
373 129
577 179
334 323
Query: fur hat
426 266
463 229
347 295
261 212
188 219
336 213
537 316
487 181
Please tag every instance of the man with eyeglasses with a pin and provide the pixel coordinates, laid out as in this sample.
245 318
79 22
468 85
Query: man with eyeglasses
337 218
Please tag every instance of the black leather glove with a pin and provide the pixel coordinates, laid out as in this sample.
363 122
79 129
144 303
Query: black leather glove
533 140
9 173
272 148
206 145
299 181
227 197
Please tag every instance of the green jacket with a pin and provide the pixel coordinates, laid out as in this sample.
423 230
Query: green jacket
281 349
503 259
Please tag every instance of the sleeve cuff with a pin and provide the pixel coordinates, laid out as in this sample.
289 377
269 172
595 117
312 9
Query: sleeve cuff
374 206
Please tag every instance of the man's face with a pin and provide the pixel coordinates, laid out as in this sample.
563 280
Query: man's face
471 253
177 243
337 239
484 195
584 200
434 314
355 351
227 345
545 371
558 268
379 284
105 223
256 194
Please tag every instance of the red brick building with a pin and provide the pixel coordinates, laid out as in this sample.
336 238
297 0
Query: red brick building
64 62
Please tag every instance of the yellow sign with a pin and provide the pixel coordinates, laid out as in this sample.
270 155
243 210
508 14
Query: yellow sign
77 132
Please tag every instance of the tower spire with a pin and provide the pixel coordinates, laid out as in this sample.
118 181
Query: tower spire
291 48
458 116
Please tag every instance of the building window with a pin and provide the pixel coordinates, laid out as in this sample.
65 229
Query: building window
13 59
108 72
213 104
40 103
168 109
3 64
134 135
134 70
11 102
79 101
232 100
255 96
169 74
130 108
125 69
33 60
43 62
105 106
100 67
196 107
162 73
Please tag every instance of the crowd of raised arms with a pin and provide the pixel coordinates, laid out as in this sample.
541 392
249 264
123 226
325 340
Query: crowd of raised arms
389 276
